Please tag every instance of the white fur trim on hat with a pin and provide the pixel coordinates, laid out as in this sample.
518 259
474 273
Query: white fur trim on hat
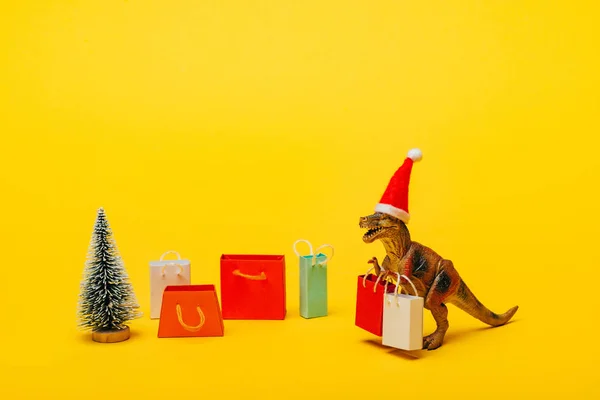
393 211
415 154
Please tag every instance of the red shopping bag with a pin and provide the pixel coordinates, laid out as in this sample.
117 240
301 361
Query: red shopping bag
253 286
369 303
190 310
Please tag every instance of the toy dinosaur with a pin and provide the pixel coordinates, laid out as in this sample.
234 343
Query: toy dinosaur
434 277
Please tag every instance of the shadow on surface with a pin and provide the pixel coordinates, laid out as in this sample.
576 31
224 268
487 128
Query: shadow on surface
407 355
134 334
86 337
453 336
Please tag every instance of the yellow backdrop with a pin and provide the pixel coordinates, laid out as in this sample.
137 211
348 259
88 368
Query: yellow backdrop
238 127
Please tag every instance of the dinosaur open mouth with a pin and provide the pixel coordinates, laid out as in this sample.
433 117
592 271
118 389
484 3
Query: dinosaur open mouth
373 232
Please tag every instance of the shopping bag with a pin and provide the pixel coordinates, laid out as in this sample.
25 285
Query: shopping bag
253 286
164 273
190 311
369 303
313 281
403 319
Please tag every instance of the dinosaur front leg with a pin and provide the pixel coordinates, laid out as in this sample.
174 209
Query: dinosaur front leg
443 286
380 270
375 265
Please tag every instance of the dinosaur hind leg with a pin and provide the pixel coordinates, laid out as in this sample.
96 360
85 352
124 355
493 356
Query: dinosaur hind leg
435 340
444 285
466 301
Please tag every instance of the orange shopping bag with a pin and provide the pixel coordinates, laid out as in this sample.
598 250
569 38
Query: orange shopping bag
190 310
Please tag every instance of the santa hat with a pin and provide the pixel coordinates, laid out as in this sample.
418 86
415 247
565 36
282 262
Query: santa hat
394 201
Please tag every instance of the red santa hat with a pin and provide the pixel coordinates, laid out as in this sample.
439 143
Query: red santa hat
394 201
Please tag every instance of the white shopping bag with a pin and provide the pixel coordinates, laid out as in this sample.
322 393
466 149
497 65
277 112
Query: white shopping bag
403 319
164 273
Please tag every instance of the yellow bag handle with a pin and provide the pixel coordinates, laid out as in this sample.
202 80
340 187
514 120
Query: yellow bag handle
186 326
260 277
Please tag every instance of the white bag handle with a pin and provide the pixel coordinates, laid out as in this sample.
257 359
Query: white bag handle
302 241
180 269
378 278
170 252
386 283
398 284
313 253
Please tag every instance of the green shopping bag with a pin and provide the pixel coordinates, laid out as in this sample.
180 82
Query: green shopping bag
313 281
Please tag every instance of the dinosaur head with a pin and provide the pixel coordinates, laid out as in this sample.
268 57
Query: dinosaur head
381 226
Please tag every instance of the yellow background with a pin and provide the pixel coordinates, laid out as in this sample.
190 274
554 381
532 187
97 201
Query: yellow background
215 127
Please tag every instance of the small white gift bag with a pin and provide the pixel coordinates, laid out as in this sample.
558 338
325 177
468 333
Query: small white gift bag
403 319
165 273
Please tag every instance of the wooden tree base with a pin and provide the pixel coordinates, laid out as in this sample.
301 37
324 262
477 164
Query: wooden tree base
111 336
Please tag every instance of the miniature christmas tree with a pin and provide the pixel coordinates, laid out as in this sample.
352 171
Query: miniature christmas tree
106 301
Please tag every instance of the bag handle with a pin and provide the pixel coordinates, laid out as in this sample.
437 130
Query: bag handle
398 284
186 326
409 281
170 252
376 282
326 257
312 253
302 241
260 277
180 268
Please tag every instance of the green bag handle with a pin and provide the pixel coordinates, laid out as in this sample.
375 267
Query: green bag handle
313 253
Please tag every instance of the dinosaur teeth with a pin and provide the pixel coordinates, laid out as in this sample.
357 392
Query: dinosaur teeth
373 231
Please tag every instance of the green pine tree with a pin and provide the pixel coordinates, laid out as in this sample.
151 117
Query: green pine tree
107 300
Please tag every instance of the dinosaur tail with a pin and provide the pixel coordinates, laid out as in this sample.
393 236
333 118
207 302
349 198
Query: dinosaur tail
466 301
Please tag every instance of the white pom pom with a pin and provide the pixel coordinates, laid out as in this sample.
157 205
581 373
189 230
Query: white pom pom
415 154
